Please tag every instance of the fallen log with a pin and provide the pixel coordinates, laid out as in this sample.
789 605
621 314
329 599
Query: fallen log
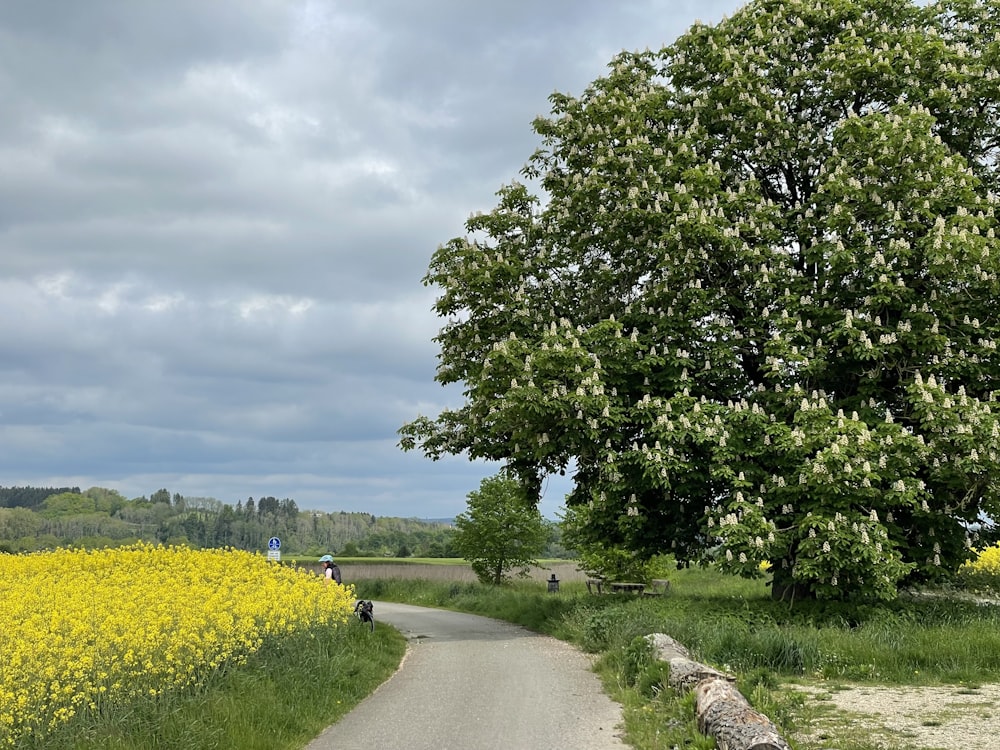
666 647
720 709
685 674
723 713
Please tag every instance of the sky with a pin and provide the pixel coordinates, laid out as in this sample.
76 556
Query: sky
215 218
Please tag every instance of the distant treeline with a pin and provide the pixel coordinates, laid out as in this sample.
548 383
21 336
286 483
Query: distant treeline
35 518
29 497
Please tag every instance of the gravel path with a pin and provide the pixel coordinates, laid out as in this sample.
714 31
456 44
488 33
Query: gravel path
471 682
921 718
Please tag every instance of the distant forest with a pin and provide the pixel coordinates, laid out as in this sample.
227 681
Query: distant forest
38 518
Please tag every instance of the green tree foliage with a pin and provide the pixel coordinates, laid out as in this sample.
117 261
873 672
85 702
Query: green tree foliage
29 497
19 522
67 504
105 500
756 308
268 506
160 496
502 531
601 558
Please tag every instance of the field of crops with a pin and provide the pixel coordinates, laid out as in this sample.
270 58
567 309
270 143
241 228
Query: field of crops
93 631
367 569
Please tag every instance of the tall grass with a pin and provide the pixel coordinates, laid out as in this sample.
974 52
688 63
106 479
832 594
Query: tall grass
284 696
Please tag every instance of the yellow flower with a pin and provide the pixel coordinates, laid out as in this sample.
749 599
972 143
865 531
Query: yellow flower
123 623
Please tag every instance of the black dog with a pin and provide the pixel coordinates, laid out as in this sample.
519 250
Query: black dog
363 610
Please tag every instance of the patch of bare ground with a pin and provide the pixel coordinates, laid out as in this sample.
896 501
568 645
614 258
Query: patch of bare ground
903 718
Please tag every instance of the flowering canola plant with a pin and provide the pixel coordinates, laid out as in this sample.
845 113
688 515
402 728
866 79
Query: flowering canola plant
91 630
982 571
987 561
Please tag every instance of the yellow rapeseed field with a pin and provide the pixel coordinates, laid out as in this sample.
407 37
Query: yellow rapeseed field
981 573
987 561
92 630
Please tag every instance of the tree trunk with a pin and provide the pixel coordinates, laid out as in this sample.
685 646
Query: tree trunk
784 588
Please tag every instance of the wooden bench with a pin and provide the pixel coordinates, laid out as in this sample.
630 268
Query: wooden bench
627 587
657 587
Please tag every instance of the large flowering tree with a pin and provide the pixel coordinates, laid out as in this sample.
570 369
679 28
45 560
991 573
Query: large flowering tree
755 308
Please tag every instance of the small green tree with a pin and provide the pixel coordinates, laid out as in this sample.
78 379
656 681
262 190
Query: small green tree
502 530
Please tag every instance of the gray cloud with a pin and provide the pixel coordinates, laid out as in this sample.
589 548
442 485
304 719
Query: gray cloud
214 219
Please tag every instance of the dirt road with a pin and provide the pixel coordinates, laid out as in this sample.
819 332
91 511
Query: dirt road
472 683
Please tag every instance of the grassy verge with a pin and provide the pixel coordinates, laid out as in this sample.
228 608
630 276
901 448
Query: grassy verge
285 696
733 624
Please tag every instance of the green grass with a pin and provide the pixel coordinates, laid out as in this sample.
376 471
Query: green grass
284 697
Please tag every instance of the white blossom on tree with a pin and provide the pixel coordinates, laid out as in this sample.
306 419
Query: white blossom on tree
756 304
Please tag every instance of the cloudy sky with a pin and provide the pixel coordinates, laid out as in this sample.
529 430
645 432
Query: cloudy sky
214 219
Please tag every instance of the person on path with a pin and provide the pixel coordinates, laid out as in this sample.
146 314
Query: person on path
331 571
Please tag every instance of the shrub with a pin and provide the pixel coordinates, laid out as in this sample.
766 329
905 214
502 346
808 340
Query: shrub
983 572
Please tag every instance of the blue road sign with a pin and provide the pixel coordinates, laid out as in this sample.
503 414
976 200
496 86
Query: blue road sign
274 543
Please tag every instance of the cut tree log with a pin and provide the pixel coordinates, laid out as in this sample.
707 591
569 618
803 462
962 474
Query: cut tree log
666 647
685 674
720 709
723 713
